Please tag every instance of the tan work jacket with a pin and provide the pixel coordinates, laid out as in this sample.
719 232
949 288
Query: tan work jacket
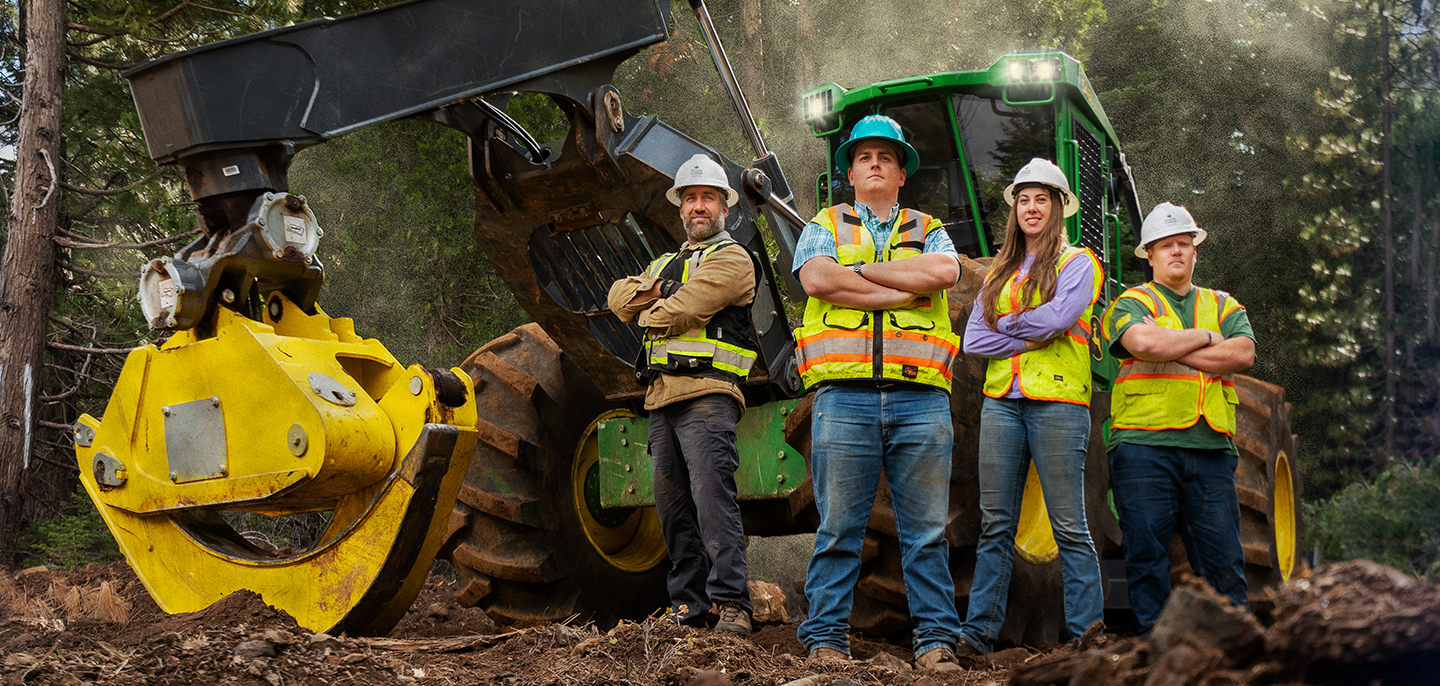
725 278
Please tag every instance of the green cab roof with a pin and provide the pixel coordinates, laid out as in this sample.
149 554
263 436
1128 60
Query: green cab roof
1017 77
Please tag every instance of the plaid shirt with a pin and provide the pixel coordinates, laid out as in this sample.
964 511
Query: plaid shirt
817 241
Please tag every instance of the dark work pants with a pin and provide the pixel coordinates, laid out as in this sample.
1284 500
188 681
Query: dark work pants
692 448
1160 490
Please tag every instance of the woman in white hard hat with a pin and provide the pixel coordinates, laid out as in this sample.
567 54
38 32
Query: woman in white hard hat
1032 320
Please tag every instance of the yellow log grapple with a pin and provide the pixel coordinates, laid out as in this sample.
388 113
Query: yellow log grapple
290 414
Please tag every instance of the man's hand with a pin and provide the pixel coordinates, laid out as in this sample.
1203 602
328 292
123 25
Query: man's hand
645 296
825 279
928 273
1199 348
1224 356
1154 343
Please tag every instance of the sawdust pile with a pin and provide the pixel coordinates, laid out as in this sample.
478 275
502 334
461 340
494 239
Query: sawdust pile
1354 623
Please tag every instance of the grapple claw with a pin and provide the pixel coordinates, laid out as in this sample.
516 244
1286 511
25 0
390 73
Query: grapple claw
239 423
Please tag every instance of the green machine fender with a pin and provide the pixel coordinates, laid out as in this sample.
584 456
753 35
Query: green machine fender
769 467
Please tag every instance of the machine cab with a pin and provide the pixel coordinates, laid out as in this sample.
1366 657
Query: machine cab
974 130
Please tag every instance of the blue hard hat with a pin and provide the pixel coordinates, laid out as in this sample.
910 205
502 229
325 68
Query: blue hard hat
878 127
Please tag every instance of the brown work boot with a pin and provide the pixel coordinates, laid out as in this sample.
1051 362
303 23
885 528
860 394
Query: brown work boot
733 619
938 660
828 655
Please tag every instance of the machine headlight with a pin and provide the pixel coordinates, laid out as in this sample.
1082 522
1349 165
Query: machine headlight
1034 70
1017 71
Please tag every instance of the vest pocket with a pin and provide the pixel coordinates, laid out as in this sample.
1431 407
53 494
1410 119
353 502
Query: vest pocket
909 320
848 319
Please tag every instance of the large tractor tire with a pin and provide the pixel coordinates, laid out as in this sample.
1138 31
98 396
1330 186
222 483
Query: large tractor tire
527 537
1268 485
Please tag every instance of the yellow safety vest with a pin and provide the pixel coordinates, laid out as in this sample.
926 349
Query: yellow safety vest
723 349
1059 371
913 345
1155 396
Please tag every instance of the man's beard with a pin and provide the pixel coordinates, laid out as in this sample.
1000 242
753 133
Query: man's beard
697 234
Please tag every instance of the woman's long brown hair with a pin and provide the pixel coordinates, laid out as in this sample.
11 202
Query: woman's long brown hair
1042 273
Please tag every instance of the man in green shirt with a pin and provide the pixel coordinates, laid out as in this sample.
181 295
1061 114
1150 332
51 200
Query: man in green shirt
1172 451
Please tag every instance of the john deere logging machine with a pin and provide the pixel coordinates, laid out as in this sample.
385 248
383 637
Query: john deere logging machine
526 465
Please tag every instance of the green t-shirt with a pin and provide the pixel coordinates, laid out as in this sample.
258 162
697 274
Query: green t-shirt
1129 312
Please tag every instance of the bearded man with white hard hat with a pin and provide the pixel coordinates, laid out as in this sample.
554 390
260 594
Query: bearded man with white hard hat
1172 451
694 306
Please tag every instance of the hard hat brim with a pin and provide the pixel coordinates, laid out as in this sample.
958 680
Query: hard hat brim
1143 253
1072 203
731 197
842 153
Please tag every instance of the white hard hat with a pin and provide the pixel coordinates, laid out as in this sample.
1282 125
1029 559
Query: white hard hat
700 170
1044 172
1164 221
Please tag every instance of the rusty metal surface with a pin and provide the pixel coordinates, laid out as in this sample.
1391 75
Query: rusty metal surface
559 234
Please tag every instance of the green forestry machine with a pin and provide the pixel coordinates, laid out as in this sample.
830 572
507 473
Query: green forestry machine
526 465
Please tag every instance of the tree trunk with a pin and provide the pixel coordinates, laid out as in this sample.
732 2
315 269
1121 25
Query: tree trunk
753 53
1388 240
28 266
804 28
1417 227
1432 327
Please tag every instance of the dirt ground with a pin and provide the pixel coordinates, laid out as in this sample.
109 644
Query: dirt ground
1353 623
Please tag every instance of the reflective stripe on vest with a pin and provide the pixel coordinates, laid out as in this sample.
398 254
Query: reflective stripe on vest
1154 396
1059 371
699 350
913 345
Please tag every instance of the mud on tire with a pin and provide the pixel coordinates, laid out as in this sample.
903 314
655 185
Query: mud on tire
527 548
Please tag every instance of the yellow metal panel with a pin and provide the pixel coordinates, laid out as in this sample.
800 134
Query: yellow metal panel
352 464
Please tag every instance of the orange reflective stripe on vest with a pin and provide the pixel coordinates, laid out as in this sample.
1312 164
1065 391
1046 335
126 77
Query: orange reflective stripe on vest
1059 371
1155 396
914 345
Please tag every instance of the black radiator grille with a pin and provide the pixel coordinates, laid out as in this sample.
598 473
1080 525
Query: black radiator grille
576 268
1092 191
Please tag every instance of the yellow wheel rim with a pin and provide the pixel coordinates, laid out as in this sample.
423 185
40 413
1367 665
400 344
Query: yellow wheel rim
1034 538
1284 516
634 544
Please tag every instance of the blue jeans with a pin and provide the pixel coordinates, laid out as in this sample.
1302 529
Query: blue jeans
692 449
1056 435
1159 490
858 431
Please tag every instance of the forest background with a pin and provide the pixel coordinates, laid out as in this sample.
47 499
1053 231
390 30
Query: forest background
1302 135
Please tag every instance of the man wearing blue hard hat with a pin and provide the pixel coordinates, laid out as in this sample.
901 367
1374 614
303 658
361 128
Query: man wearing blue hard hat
876 348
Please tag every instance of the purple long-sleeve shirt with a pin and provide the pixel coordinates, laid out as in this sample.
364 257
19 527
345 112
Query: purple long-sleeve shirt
1073 289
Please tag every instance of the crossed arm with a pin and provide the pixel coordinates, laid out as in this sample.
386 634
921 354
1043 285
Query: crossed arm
725 278
1198 348
885 285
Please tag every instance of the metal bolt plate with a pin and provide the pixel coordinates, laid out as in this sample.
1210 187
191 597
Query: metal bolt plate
109 472
331 390
416 385
84 436
195 440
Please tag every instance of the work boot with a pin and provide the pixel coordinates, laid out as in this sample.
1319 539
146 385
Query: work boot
733 619
938 660
819 655
965 647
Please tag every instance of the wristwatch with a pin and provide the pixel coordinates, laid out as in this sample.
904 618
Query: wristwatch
856 268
